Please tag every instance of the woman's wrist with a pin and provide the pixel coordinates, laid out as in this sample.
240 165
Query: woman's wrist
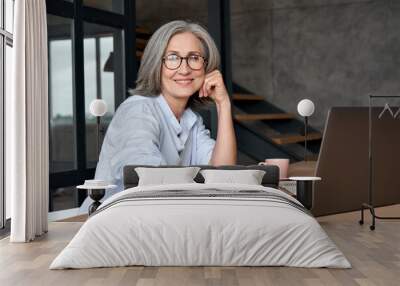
224 104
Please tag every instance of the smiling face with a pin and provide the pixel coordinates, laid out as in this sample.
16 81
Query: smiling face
183 82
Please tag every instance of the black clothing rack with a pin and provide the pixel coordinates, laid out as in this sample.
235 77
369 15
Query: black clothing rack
369 205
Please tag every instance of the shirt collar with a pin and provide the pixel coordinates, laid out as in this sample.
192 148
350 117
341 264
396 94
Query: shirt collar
188 118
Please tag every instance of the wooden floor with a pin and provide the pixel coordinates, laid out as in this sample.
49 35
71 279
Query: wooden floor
375 257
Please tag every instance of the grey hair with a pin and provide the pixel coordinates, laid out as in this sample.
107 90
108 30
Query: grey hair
148 82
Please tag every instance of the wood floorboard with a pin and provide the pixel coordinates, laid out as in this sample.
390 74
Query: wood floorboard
375 257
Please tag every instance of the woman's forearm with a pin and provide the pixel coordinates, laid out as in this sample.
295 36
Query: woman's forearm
224 152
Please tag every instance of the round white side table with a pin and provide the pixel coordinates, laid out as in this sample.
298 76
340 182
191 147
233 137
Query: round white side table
96 190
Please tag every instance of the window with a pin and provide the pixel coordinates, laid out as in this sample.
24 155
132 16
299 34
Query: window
103 59
86 61
61 95
6 43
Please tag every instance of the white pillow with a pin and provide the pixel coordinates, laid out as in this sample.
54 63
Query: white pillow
248 177
163 176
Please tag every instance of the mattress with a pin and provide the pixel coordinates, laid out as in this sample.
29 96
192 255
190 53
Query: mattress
201 225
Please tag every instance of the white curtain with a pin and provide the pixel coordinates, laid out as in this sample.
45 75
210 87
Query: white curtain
27 162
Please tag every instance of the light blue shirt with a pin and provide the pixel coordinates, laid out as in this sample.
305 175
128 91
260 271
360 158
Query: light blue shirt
145 131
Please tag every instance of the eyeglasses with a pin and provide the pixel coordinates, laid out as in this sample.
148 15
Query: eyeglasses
195 62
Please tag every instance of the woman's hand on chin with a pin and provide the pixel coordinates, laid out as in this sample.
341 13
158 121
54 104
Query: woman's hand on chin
214 88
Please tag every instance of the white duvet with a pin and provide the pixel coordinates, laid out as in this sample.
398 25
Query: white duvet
200 231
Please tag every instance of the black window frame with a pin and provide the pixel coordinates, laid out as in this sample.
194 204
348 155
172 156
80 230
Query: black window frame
80 14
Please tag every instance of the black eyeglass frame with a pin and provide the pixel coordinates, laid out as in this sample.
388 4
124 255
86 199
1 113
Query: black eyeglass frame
187 62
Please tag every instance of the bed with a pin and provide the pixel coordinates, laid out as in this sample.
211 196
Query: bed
201 224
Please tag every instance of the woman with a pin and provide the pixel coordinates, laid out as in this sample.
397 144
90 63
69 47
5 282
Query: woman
156 126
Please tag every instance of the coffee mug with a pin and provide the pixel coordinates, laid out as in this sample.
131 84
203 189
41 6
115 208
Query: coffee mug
283 165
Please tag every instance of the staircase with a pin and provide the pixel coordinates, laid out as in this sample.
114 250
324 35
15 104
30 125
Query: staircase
262 129
265 131
142 36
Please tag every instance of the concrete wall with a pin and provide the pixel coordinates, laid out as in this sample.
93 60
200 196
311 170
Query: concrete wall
334 52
